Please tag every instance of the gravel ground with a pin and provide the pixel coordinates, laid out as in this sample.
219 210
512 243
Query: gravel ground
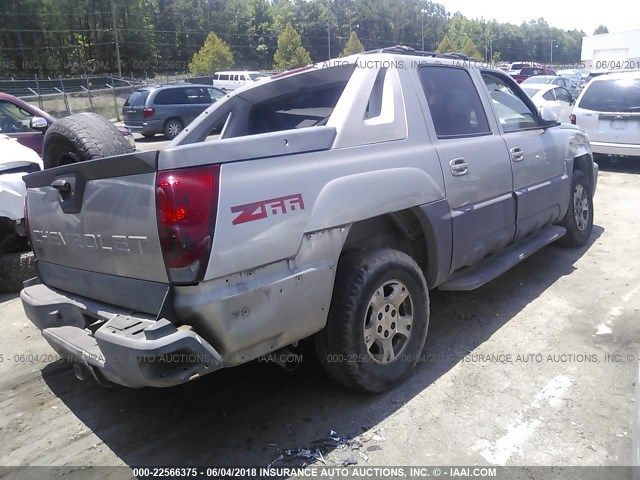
535 368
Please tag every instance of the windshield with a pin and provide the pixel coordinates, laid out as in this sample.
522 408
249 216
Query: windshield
531 91
256 76
612 96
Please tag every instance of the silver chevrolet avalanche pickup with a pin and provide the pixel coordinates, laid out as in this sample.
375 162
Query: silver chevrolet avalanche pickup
333 199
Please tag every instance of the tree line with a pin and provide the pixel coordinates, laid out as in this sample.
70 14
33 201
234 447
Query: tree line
78 37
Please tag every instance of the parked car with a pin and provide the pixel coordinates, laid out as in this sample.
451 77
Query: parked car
557 99
573 74
532 72
554 80
516 67
608 110
167 109
16 161
28 124
236 79
335 198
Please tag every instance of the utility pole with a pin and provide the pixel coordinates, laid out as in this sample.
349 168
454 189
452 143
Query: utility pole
329 37
422 12
115 34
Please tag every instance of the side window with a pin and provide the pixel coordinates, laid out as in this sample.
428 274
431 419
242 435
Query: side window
215 94
13 119
224 77
454 103
550 96
197 95
171 96
513 113
563 95
374 107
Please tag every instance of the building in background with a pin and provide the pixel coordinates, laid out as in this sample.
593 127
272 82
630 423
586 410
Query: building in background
611 51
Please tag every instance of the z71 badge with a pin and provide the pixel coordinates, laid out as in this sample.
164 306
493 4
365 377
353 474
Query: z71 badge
264 208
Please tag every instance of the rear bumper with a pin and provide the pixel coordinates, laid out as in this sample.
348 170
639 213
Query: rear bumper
148 127
624 149
128 349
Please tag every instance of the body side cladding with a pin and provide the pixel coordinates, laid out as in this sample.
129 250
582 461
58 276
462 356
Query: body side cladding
435 220
242 314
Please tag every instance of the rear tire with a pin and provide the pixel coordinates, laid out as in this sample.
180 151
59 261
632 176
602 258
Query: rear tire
579 217
378 320
15 268
172 128
83 136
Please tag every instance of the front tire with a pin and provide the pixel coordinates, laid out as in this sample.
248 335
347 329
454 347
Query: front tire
579 217
378 320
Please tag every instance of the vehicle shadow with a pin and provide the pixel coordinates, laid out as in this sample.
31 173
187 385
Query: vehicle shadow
245 416
7 296
619 165
154 139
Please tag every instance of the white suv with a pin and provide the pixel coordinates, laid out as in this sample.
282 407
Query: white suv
233 80
608 110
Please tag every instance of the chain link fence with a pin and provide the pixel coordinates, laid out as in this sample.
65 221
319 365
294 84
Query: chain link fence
102 94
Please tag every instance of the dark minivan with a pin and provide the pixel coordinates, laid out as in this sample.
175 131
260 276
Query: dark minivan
167 109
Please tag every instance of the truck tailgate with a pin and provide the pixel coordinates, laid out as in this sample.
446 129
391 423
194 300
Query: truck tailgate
97 216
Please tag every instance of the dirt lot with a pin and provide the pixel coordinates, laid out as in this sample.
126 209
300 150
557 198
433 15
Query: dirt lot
536 368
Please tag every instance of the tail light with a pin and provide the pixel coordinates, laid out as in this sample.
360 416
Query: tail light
572 118
148 112
187 203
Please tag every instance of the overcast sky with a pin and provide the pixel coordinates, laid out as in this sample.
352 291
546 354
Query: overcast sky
617 15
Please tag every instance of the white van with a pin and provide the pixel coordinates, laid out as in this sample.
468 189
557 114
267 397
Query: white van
233 80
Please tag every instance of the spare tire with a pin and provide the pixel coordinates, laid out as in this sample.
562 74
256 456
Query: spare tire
83 136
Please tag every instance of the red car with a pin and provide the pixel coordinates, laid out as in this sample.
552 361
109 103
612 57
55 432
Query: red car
532 72
27 123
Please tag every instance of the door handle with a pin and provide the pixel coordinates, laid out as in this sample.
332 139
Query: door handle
459 167
517 154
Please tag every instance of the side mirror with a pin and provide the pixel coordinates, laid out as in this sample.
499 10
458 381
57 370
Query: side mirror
548 115
38 123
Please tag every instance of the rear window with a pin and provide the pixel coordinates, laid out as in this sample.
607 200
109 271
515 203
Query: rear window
518 66
533 71
612 96
538 79
299 109
137 99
